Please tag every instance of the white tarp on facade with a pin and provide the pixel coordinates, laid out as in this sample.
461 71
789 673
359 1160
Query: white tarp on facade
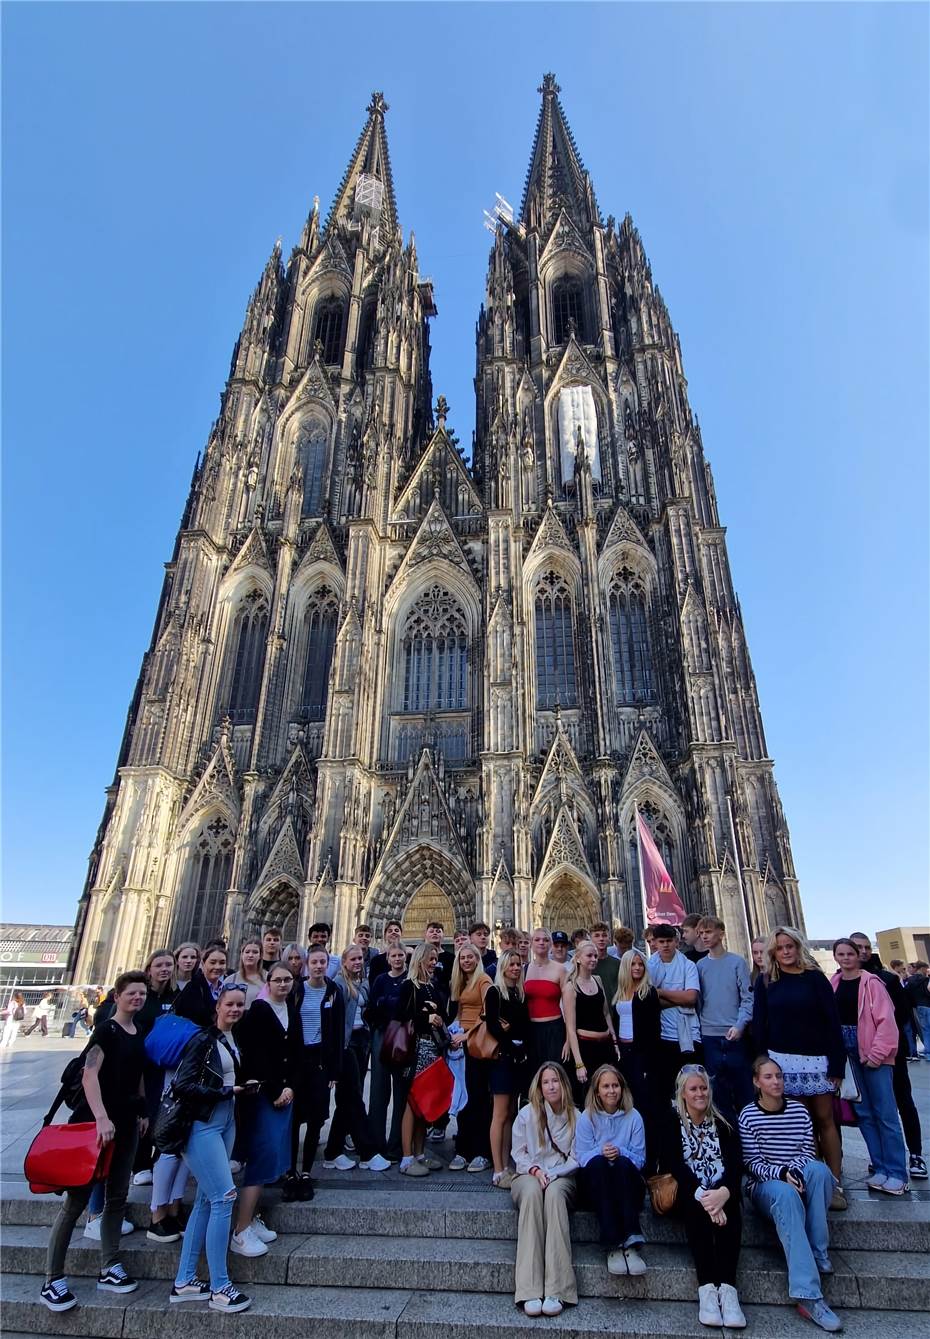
576 409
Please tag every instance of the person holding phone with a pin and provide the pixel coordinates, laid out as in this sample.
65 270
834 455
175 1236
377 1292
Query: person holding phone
271 1046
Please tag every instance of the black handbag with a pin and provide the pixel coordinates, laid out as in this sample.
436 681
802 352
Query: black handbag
173 1122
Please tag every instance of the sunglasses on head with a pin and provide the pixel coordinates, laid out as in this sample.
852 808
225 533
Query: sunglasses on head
693 1069
227 986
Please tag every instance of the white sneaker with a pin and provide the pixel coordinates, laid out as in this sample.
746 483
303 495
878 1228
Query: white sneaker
374 1164
92 1228
246 1243
479 1165
533 1307
142 1179
730 1308
458 1163
709 1313
235 1166
877 1181
263 1233
552 1306
340 1164
635 1263
616 1262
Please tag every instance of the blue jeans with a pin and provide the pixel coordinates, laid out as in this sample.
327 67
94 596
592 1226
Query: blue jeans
910 1037
207 1153
726 1063
922 1013
801 1223
877 1114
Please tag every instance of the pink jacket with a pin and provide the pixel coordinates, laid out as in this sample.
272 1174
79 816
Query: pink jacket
877 1029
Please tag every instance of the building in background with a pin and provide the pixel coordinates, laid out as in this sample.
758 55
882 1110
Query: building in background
387 681
34 954
911 944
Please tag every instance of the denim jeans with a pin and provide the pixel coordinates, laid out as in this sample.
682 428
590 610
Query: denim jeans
922 1013
910 1037
207 1153
726 1063
801 1223
877 1114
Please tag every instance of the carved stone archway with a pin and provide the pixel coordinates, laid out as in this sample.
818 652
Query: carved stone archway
425 863
568 904
429 903
278 904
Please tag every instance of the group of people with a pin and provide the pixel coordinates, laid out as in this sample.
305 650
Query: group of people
589 1070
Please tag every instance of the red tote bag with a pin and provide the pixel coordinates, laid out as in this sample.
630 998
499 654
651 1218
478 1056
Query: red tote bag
66 1157
431 1091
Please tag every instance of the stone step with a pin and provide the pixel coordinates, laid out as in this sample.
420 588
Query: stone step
876 1280
901 1226
344 1313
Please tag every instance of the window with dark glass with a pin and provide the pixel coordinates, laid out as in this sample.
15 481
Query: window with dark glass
314 443
207 882
629 635
249 635
567 309
327 329
322 612
435 654
555 645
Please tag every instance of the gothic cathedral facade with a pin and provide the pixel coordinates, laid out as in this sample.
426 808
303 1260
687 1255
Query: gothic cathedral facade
387 681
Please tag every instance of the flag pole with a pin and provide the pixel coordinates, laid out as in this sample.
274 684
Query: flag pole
639 861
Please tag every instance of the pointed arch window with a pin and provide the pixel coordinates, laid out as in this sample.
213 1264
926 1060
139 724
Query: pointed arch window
327 329
249 635
629 636
567 309
555 644
435 644
321 616
206 882
312 450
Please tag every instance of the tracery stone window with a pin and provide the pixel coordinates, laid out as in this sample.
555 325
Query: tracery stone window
249 635
203 899
567 309
321 616
312 448
327 329
629 637
435 646
555 644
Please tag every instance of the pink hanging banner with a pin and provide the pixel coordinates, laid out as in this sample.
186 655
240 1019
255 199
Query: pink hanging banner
663 905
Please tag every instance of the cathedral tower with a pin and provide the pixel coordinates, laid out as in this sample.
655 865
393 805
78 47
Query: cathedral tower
383 682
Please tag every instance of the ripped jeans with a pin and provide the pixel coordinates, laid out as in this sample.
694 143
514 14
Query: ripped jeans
207 1153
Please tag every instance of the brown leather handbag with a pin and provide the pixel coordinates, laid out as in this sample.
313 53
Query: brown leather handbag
480 1044
663 1191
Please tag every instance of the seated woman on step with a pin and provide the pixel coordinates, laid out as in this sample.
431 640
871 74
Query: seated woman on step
611 1146
786 1183
543 1191
698 1147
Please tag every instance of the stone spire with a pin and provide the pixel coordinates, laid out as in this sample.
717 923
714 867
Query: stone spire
556 176
370 162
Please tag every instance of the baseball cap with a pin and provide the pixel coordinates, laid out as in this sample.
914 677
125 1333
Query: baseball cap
560 937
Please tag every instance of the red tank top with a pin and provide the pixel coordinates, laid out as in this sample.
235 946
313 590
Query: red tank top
543 998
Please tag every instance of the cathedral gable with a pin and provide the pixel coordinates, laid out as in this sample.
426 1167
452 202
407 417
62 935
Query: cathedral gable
561 768
565 847
574 365
424 816
218 783
440 459
565 236
296 779
313 384
624 530
284 860
646 764
550 535
330 259
321 549
435 539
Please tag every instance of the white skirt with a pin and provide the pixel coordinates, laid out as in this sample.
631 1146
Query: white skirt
804 1075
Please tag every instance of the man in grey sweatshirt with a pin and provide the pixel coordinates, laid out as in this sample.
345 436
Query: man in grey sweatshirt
726 1011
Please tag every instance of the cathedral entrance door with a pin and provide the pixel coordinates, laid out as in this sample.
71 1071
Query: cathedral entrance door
429 903
568 906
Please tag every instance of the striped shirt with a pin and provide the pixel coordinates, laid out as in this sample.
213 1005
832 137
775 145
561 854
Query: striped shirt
775 1142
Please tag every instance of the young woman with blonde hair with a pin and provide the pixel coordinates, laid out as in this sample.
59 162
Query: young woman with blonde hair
610 1143
637 1010
543 1190
186 961
702 1152
421 1004
795 1020
470 985
508 1021
350 1116
248 973
543 982
592 1041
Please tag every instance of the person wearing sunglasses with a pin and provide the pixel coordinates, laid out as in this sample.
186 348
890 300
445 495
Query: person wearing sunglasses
702 1152
271 1045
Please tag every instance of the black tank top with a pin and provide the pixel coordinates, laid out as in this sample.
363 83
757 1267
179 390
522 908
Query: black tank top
589 1011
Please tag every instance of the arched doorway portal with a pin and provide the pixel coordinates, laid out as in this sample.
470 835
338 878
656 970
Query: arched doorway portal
568 904
429 903
278 905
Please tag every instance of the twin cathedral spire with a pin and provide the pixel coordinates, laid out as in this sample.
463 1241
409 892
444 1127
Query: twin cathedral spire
387 677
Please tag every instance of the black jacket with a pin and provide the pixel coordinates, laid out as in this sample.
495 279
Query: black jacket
672 1158
196 1001
508 1009
270 1054
199 1076
332 1024
646 1026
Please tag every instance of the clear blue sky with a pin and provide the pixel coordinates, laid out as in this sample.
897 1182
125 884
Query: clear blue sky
774 158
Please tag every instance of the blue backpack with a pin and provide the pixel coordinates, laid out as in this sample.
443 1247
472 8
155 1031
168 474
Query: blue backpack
165 1043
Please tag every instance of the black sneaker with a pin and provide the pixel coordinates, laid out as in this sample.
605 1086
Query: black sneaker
191 1291
918 1168
116 1280
229 1299
165 1230
305 1189
57 1296
291 1189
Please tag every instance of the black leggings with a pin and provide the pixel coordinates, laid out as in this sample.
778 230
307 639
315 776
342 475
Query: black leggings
311 1106
715 1250
473 1139
350 1116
